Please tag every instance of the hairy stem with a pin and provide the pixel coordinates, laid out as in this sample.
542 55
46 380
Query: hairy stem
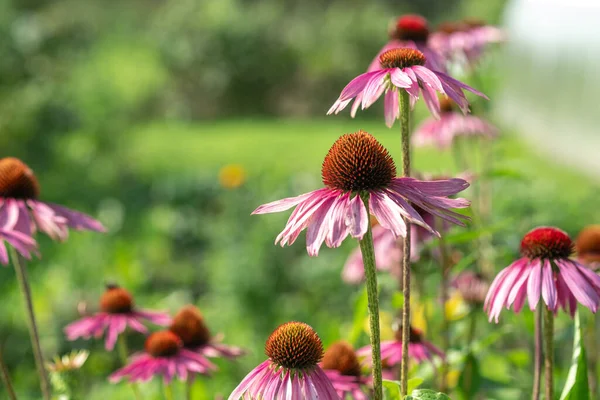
21 272
538 356
405 130
368 256
6 378
444 293
124 355
548 351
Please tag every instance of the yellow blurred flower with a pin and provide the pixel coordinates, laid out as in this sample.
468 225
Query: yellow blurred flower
452 378
232 176
456 308
419 316
386 322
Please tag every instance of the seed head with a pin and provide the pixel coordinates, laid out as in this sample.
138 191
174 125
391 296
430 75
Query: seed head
410 27
416 335
17 180
546 242
358 162
116 300
447 105
294 345
587 244
189 325
163 344
341 357
401 58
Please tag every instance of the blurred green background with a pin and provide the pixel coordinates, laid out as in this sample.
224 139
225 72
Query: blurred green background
170 121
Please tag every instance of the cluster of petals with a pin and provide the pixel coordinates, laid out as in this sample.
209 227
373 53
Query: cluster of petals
349 386
114 324
24 244
329 215
391 352
415 79
269 381
442 132
560 282
466 44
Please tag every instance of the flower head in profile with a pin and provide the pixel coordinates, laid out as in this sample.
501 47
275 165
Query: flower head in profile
342 367
544 271
189 325
419 349
24 244
19 202
358 167
117 312
450 125
402 69
292 369
587 246
472 287
164 356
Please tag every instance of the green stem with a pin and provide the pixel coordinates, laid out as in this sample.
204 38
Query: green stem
21 273
444 293
538 356
188 389
124 355
168 392
472 326
368 256
6 378
405 130
548 351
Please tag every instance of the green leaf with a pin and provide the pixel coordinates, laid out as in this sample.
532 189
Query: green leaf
427 394
392 389
470 378
576 387
413 383
361 310
397 300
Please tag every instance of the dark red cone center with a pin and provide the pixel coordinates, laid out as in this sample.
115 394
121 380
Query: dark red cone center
17 180
294 345
341 357
587 244
189 325
411 27
547 243
163 344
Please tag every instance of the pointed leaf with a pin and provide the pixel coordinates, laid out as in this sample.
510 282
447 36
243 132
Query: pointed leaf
577 387
470 378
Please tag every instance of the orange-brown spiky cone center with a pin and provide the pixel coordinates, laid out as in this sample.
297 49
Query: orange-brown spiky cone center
416 335
163 344
294 345
17 180
401 58
358 162
411 27
341 357
546 242
116 300
587 244
447 105
189 325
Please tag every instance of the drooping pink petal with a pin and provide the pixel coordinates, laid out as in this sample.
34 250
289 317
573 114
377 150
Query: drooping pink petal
358 218
386 212
534 284
77 220
391 107
548 287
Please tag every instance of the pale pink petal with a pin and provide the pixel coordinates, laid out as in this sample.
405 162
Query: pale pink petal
534 284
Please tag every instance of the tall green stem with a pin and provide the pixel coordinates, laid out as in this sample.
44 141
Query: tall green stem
368 256
537 369
168 392
548 351
124 355
444 292
21 272
6 378
405 128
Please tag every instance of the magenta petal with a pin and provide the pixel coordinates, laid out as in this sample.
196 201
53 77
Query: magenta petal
431 100
391 107
428 77
548 287
282 205
534 285
400 78
358 218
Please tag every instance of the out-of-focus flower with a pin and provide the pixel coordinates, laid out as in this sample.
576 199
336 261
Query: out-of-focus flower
189 325
69 362
472 287
455 307
587 246
411 31
232 176
19 204
341 365
358 166
450 125
402 69
545 271
391 351
117 312
164 356
292 371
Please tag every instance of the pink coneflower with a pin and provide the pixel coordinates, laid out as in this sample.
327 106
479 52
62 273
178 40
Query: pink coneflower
292 371
391 351
166 356
544 270
472 287
411 31
388 250
450 125
24 244
357 165
19 192
341 365
117 312
402 69
189 325
587 246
